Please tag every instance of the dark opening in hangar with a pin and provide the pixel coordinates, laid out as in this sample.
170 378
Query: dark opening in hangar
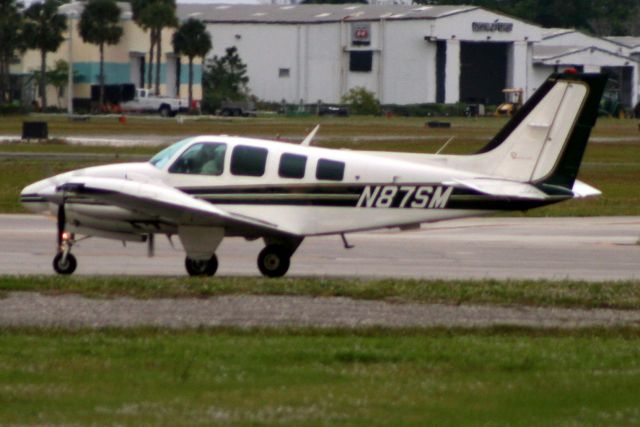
483 72
620 84
441 61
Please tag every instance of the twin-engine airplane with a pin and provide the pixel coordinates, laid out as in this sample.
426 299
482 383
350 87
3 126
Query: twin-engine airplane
210 187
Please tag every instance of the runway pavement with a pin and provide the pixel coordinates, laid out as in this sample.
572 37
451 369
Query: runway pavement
602 248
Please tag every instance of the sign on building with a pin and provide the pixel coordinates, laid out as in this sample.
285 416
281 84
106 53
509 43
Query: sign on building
360 34
491 27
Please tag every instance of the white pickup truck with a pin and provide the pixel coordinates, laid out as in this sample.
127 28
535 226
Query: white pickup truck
146 102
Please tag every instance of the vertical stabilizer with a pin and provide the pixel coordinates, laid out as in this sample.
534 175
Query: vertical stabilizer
545 141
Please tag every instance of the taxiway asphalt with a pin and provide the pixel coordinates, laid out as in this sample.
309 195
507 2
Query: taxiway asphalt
593 249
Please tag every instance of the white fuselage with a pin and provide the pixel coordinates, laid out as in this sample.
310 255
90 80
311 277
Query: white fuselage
214 186
372 191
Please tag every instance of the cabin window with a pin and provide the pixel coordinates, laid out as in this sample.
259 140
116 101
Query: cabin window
330 170
201 159
161 159
248 161
292 166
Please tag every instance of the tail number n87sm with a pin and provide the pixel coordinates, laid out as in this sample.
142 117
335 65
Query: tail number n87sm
405 196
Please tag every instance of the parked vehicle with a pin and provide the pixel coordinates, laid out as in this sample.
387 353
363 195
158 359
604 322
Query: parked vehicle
127 98
238 108
145 102
333 110
512 102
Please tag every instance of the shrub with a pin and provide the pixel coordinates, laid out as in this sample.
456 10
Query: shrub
362 101
13 109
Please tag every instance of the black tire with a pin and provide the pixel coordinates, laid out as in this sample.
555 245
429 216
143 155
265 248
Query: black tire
67 267
200 267
274 261
165 110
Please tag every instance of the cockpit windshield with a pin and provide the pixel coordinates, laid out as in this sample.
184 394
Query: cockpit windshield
161 159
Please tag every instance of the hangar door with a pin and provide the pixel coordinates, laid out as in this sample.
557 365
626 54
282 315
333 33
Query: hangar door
483 71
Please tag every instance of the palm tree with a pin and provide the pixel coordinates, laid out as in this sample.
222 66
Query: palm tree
58 77
164 15
155 15
11 41
100 24
144 20
43 31
191 39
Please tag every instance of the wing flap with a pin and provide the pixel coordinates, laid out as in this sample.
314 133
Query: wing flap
161 202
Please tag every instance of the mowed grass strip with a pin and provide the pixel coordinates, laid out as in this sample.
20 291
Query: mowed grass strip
619 295
311 378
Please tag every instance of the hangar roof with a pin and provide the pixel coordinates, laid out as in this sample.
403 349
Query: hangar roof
546 54
321 13
543 52
626 40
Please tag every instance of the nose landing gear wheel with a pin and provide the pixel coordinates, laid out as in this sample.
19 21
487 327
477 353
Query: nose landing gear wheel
201 267
274 261
64 266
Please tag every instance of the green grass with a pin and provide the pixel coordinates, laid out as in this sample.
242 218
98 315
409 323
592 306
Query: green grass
312 378
621 295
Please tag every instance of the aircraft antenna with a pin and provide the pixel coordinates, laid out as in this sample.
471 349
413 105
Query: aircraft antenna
445 144
151 245
309 138
345 242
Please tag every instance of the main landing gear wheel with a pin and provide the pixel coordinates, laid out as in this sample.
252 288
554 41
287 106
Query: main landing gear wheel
201 267
274 261
64 265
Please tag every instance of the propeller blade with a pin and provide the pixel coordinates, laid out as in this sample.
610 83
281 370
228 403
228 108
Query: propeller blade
61 222
151 245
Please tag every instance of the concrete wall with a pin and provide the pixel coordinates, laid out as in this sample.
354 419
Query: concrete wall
290 62
409 63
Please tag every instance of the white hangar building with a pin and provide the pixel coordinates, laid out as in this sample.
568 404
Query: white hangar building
404 54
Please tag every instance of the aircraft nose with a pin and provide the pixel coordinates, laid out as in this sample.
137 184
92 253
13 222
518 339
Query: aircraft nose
32 196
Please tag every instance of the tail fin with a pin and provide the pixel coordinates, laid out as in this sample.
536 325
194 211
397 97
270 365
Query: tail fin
545 140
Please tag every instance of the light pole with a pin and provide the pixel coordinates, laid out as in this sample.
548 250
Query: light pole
70 15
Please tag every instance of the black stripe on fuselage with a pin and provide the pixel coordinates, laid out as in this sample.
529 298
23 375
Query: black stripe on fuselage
348 196
32 198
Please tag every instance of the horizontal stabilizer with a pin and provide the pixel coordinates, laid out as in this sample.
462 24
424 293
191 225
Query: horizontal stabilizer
580 189
502 188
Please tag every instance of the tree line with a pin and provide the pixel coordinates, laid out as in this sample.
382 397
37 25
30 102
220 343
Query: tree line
597 17
41 27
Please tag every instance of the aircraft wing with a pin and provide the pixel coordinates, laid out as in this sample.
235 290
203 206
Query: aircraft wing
502 188
160 202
